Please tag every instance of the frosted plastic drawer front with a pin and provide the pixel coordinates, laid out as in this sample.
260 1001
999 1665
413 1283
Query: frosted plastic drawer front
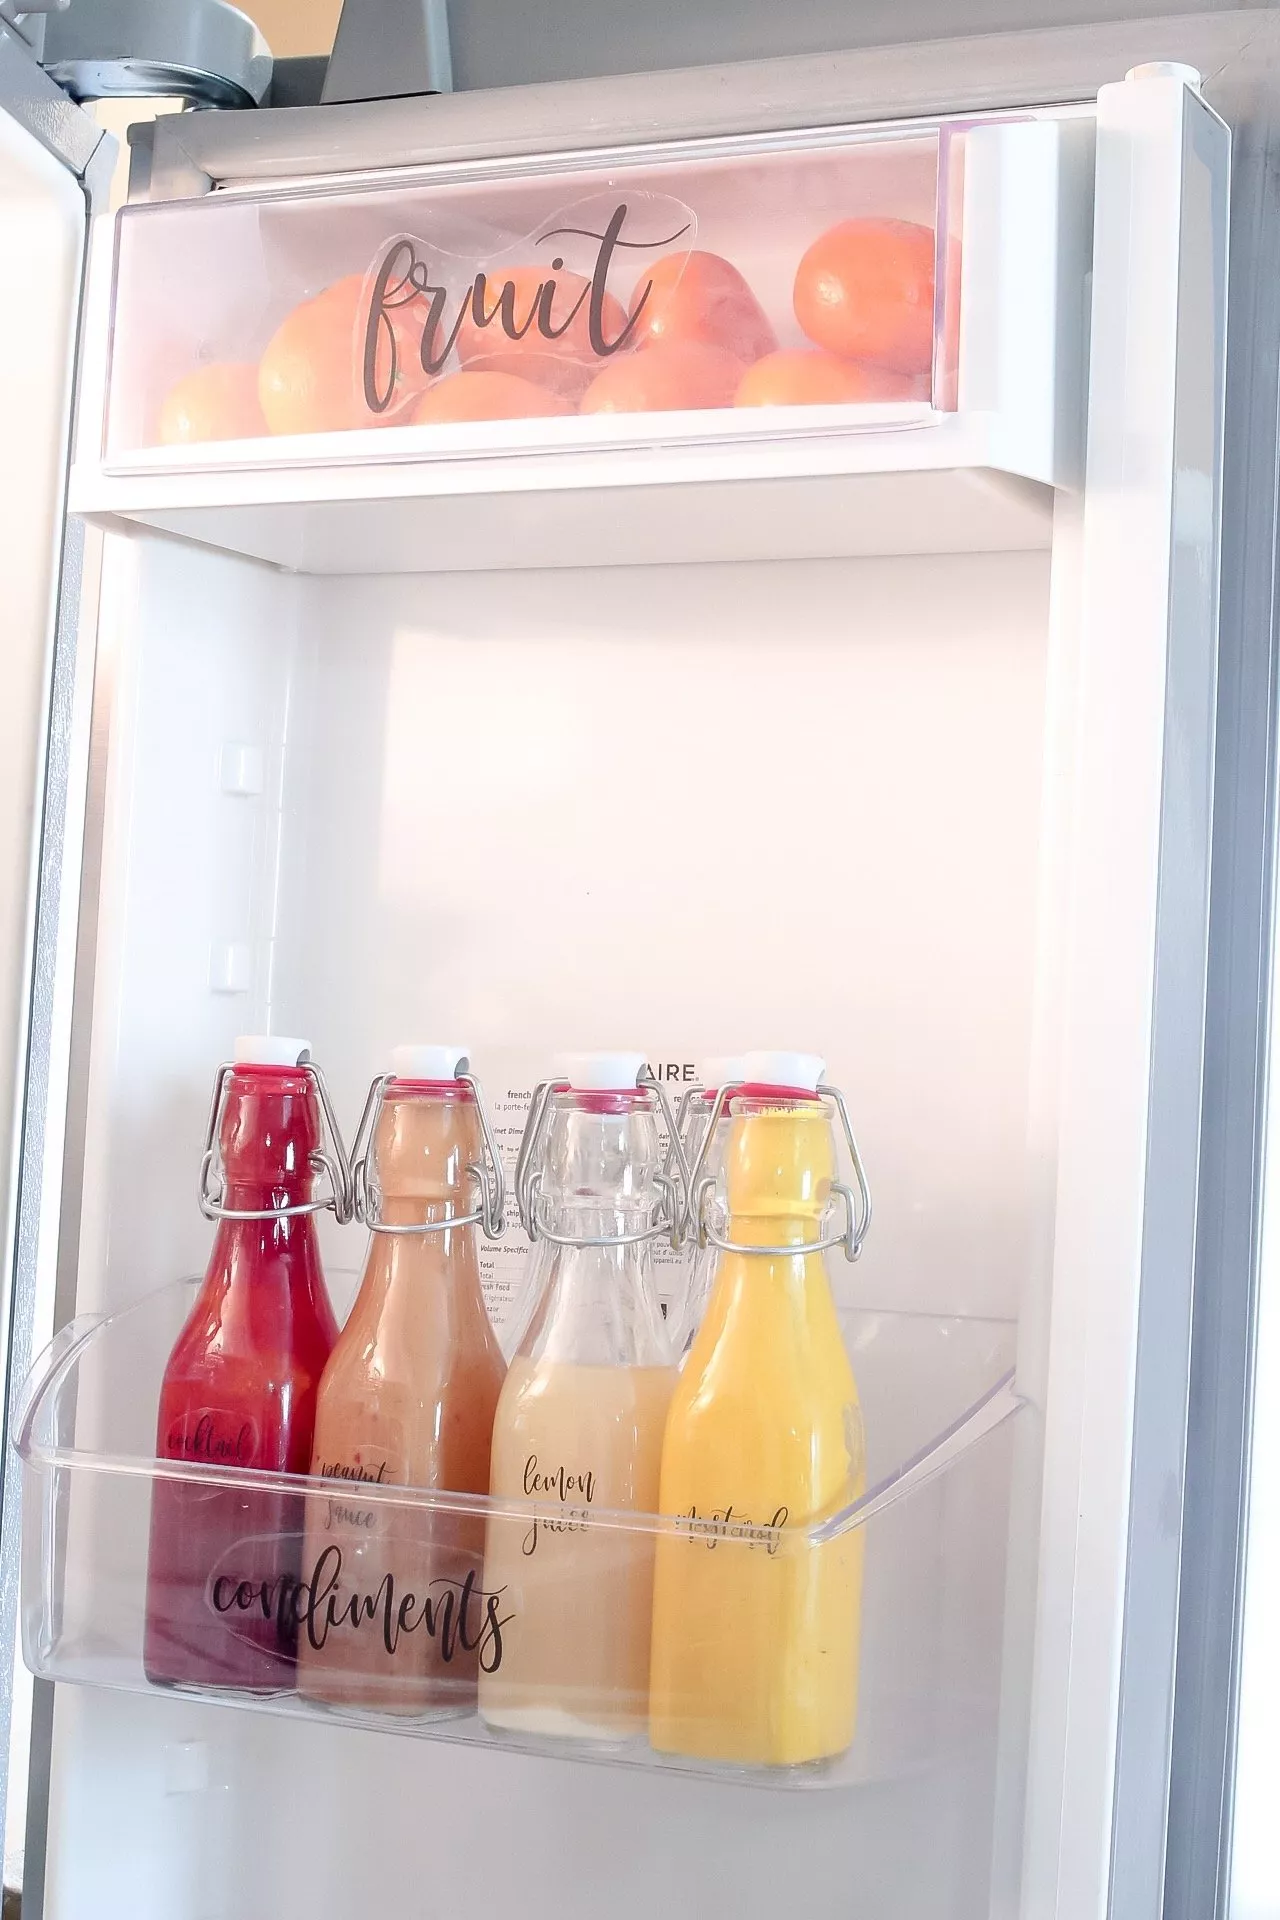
400 1603
536 302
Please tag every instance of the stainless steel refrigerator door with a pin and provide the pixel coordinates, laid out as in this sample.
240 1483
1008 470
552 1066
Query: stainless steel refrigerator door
1204 1769
1241 1881
1253 1859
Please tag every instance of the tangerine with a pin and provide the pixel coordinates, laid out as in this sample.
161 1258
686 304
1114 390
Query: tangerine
665 378
311 375
701 297
864 290
486 396
217 402
539 327
805 378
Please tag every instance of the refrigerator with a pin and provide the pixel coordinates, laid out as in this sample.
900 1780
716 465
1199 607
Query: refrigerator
929 727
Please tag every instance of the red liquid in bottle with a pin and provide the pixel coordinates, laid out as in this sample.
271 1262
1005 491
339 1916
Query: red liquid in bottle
239 1391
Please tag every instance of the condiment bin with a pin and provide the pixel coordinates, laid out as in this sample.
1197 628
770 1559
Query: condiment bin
927 1541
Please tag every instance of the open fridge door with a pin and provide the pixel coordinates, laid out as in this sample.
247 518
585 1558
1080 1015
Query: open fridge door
1004 656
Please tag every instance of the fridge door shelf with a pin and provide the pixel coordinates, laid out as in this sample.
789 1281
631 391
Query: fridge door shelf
725 340
911 1568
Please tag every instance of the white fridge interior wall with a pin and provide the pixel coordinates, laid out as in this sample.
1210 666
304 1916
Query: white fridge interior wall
354 809
689 807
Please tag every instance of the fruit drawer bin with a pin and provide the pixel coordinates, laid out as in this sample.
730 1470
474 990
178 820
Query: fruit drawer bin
543 1625
711 277
788 283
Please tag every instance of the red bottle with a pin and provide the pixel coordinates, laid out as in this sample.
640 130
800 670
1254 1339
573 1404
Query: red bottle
239 1391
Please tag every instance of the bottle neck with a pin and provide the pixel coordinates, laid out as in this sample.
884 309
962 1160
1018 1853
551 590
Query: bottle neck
428 1266
439 1262
598 1178
779 1163
270 1253
400 1210
268 1137
586 1218
775 1230
425 1144
595 1304
266 1196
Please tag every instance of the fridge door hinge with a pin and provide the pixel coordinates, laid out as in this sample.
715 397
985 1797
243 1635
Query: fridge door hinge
26 18
385 49
204 51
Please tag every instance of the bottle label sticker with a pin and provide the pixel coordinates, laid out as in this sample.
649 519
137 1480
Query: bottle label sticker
422 300
366 1464
708 1526
574 1490
212 1436
330 1599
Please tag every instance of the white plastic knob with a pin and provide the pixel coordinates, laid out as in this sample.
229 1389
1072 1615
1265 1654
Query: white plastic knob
802 1071
429 1062
721 1070
602 1072
270 1050
1166 70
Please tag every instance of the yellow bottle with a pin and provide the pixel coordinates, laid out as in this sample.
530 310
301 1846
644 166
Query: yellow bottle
755 1632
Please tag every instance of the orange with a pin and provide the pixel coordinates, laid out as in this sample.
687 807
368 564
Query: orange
518 297
486 396
808 379
665 378
701 297
311 378
217 402
865 290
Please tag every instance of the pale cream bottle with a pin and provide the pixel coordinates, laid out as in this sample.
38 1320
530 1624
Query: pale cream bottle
579 1426
407 1400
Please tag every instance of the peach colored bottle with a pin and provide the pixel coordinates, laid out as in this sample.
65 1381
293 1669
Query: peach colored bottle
394 1613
